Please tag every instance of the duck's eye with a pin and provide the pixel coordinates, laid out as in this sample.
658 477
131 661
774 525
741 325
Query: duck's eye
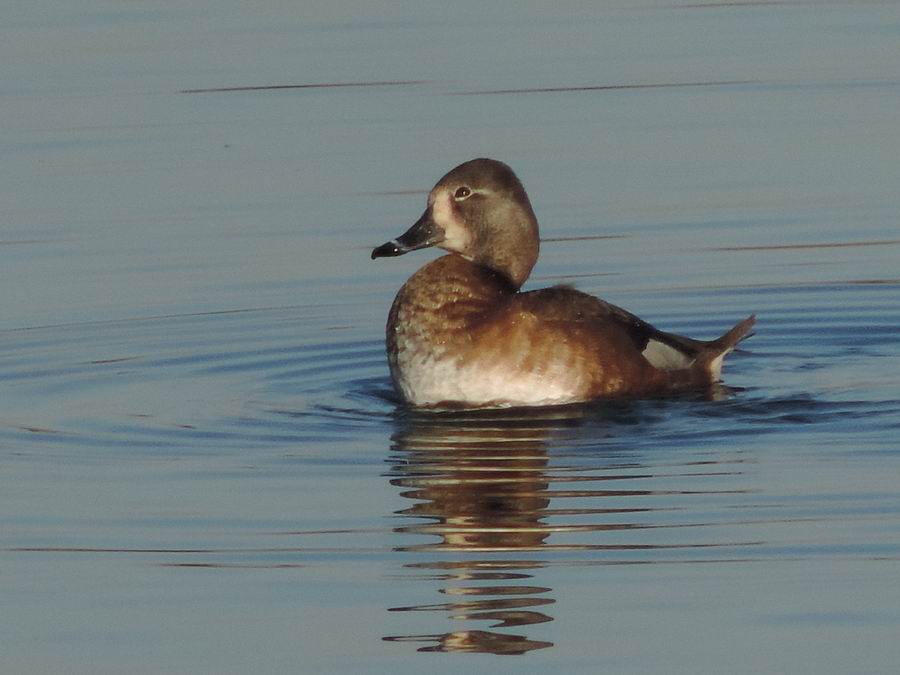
461 193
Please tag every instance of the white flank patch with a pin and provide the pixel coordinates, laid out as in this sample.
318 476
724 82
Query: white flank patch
663 357
715 366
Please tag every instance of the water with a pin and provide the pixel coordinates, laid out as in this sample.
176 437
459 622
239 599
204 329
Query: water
203 467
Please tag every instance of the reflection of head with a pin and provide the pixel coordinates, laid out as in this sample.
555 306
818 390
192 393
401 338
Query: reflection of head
477 641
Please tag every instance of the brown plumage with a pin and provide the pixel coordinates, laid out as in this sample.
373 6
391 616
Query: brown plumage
461 333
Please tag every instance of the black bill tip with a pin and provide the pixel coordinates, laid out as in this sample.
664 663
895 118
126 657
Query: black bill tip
388 250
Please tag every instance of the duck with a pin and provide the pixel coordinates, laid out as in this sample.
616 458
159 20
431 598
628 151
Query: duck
462 334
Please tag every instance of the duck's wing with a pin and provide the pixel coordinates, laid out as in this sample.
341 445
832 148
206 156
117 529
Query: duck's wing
665 351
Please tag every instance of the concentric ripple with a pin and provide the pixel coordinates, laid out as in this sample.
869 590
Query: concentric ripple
278 407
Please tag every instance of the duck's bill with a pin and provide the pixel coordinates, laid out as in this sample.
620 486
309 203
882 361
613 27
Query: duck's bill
422 234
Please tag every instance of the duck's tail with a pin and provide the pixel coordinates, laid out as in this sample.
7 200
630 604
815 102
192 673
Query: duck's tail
709 359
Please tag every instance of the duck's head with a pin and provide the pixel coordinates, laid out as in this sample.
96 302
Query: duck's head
480 211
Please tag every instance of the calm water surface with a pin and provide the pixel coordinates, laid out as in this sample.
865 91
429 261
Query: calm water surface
203 466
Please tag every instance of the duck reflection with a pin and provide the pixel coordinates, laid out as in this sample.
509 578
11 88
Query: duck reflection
480 485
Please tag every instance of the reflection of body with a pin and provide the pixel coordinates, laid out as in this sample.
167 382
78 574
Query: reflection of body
483 498
484 489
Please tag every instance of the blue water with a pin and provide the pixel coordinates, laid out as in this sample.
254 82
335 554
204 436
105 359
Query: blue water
203 466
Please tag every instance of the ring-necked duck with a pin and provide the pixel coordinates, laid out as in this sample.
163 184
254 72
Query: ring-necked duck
461 334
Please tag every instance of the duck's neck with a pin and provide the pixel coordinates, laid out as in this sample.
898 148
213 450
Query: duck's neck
512 250
515 265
